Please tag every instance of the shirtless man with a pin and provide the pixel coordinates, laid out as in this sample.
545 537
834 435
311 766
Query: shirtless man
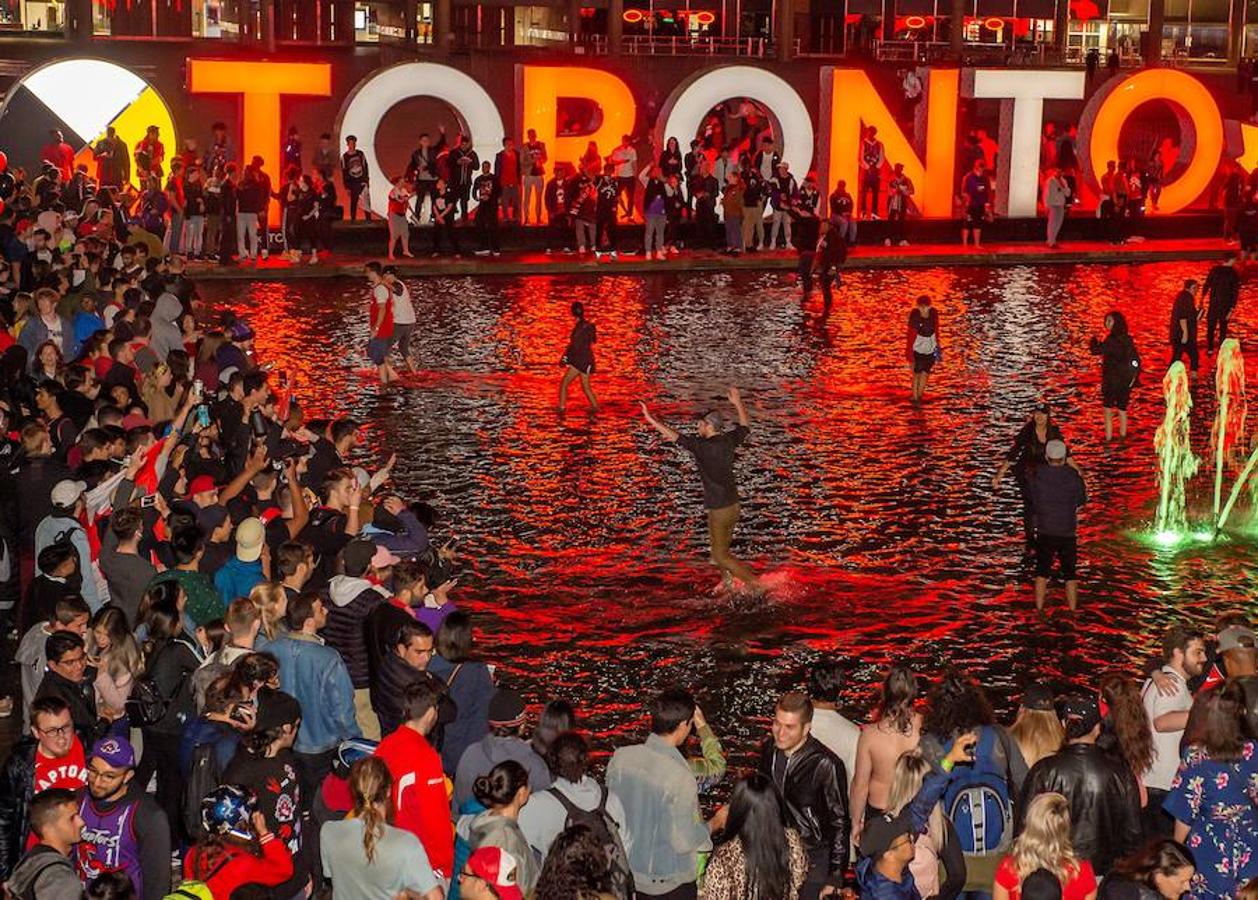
714 451
894 731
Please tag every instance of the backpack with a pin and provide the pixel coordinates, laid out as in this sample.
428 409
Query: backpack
977 801
204 776
608 835
146 705
1130 360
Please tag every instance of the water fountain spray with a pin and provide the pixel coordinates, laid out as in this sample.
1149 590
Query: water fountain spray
1176 461
1229 420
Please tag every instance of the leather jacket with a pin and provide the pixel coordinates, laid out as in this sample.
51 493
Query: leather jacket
17 786
815 797
1104 801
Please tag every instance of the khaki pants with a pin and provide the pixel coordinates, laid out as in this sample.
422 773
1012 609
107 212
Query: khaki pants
721 523
368 723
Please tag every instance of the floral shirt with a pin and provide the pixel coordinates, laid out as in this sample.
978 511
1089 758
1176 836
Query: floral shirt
1218 801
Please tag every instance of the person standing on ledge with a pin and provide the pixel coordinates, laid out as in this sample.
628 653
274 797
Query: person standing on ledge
714 452
579 358
1057 493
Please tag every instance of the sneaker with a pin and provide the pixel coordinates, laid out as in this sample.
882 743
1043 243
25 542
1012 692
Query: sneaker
614 255
482 252
264 254
904 243
886 242
496 253
549 251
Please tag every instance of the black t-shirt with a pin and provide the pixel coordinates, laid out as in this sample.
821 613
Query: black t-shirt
1185 308
715 459
274 780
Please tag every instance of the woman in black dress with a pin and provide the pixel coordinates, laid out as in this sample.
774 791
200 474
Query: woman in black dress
1120 367
1026 453
578 359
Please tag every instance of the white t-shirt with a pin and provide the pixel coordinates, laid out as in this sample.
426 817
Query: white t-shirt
400 862
1165 743
839 735
626 160
403 308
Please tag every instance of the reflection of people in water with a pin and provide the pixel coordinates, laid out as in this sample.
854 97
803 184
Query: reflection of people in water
714 451
578 358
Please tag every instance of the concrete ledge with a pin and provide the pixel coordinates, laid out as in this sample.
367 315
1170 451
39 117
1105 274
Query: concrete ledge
915 257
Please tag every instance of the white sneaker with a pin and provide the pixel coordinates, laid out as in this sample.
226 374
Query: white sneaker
614 255
482 252
496 253
264 254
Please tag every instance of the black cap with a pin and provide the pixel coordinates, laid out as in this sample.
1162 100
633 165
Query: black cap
1080 713
1038 696
506 709
357 556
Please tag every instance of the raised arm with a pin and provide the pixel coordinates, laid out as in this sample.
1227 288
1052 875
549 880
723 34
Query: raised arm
666 433
737 399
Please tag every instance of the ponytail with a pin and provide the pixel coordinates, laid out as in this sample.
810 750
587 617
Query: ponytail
370 784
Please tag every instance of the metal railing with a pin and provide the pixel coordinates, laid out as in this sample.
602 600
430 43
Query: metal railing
685 45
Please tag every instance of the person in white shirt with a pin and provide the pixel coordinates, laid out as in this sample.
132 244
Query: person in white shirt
1184 657
625 159
403 315
825 684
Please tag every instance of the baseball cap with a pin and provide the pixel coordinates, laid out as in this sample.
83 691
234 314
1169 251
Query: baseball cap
249 536
383 557
276 708
1236 637
506 708
67 493
116 752
240 331
497 867
135 420
357 556
1055 450
1080 712
201 484
211 518
1038 696
881 832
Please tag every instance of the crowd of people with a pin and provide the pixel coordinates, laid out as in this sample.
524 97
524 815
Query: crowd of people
732 193
244 673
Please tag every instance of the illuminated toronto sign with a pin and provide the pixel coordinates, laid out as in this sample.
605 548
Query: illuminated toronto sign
827 139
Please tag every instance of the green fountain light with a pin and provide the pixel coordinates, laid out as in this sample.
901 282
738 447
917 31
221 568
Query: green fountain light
1176 461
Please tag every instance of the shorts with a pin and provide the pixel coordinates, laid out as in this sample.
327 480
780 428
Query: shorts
1115 396
975 217
1064 549
923 362
378 349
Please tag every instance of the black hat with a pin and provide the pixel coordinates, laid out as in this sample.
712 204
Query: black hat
1080 713
881 832
1041 885
1038 696
506 709
357 555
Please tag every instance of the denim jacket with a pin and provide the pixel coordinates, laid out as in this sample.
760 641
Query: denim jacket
661 800
316 675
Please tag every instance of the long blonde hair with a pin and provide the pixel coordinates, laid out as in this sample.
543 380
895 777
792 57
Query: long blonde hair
370 784
1045 839
911 770
1038 733
123 658
272 603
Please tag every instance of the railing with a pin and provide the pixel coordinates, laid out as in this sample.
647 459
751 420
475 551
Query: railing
685 45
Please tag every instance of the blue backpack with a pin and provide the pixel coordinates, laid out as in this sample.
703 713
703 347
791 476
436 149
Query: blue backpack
977 800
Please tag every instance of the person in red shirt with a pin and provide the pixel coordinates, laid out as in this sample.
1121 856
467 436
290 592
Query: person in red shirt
240 850
50 757
1045 844
381 316
60 154
150 153
421 794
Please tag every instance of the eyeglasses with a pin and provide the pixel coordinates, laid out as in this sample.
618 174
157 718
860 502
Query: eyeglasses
57 730
104 776
72 660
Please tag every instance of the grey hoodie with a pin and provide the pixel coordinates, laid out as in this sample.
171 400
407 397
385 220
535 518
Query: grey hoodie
166 336
44 874
488 829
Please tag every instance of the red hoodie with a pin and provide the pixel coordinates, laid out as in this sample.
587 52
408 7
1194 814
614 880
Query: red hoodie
421 798
239 866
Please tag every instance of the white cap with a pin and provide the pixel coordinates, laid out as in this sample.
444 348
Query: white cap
67 493
1055 450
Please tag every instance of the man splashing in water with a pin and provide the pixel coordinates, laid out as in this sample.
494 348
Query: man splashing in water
714 451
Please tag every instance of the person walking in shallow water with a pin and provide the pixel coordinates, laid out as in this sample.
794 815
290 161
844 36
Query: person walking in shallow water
923 344
714 451
578 359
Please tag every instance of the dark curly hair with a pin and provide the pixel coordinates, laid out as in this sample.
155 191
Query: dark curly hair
576 867
956 705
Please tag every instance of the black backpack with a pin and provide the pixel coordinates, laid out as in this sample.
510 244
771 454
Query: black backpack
1131 361
146 706
604 828
204 776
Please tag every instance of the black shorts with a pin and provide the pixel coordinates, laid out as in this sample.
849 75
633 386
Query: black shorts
1049 547
975 217
1115 396
923 362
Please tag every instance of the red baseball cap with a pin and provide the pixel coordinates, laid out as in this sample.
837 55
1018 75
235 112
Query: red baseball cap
201 484
497 867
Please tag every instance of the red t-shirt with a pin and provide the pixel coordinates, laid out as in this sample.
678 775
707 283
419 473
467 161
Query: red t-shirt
69 771
421 796
382 311
1076 888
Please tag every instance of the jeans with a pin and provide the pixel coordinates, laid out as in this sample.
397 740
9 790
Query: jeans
174 233
895 226
355 191
625 187
654 232
1216 320
194 235
533 190
487 227
1056 218
1180 348
510 203
247 235
587 236
871 182
781 221
733 233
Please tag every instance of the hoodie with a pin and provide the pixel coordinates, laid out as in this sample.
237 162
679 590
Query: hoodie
352 599
165 335
237 578
488 829
45 874
490 750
